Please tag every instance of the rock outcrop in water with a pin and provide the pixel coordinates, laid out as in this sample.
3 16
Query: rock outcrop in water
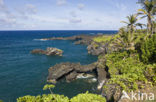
93 48
49 51
79 39
68 70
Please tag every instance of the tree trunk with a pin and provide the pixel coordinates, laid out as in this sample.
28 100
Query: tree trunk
149 24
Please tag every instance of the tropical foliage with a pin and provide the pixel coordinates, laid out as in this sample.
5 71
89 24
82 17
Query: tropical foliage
125 70
102 39
88 97
148 50
85 97
43 98
132 23
48 86
148 10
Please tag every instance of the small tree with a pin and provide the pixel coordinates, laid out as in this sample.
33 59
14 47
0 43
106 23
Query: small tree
132 23
47 86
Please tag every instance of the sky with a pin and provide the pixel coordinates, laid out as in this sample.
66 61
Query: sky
65 14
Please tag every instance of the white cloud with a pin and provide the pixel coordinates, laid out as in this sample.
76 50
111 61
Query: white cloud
26 12
31 9
75 20
61 2
6 17
81 6
49 19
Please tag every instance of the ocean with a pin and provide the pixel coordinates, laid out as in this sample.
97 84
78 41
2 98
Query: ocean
22 73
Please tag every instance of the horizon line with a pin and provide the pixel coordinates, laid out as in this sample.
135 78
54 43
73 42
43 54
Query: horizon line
58 30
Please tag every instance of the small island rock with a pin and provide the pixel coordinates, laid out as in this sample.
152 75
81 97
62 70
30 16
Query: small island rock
49 51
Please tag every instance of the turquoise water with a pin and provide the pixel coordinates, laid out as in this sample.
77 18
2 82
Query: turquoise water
22 73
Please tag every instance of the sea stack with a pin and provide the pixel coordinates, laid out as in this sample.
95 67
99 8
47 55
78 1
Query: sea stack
50 51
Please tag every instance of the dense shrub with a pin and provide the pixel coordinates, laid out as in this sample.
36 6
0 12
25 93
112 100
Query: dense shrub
151 72
86 97
148 50
125 70
43 98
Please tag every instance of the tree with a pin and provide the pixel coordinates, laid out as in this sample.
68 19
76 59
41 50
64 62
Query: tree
148 11
132 23
47 86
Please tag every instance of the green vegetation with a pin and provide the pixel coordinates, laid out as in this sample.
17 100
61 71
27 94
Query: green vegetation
135 64
132 23
151 73
43 98
85 97
102 39
148 50
47 86
125 70
132 69
148 10
88 97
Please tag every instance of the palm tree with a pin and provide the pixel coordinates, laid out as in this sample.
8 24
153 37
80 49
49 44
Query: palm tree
132 23
148 10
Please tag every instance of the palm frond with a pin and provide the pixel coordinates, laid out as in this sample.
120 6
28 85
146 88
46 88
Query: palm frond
142 11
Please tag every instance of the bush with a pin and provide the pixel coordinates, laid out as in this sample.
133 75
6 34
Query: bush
151 73
88 97
103 39
125 70
148 50
43 98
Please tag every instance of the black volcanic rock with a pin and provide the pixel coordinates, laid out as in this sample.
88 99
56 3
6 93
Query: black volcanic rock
79 39
49 51
68 70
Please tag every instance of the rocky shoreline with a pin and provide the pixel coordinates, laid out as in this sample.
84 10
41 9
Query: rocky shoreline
73 71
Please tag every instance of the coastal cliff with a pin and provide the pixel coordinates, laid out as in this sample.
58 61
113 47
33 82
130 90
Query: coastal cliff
114 57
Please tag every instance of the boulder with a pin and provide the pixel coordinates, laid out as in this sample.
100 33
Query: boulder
38 51
86 68
53 51
60 70
72 76
97 48
49 51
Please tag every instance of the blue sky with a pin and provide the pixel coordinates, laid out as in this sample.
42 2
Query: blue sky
64 14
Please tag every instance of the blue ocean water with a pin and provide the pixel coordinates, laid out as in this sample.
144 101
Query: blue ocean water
22 73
